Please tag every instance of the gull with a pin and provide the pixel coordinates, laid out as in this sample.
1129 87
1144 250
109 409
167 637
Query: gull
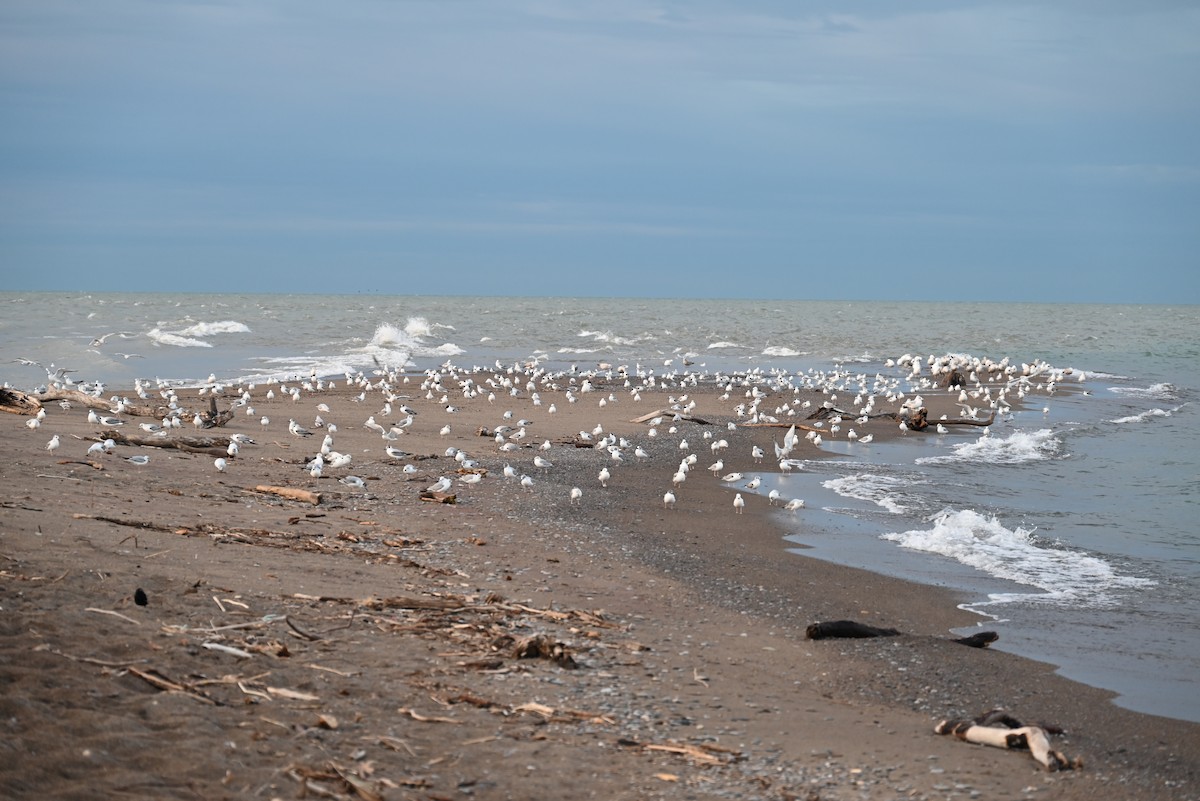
242 439
339 459
395 453
527 482
679 477
52 445
441 485
753 483
298 430
510 471
669 500
717 466
110 421
867 439
732 477
96 449
604 476
773 496
264 421
98 341
410 470
33 423
220 464
941 429
232 450
445 430
544 464
738 503
150 428
641 453
471 478
138 460
93 418
794 504
757 453
353 481
576 494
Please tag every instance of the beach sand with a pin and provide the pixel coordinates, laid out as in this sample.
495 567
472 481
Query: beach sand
511 645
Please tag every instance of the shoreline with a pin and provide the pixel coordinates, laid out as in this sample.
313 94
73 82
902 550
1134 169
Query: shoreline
703 611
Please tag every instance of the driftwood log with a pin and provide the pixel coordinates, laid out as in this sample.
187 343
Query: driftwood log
671 413
998 728
17 402
291 493
87 401
213 446
852 629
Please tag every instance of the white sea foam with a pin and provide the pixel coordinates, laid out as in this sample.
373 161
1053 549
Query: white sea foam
720 345
1017 448
208 329
1144 416
1063 575
780 351
879 490
609 337
1162 391
161 337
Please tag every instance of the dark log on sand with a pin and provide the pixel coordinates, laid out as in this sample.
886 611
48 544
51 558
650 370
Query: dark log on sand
438 497
291 493
213 446
17 402
672 414
87 401
852 629
919 420
845 629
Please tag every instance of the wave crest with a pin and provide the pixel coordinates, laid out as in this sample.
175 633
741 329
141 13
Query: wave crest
1064 575
1017 448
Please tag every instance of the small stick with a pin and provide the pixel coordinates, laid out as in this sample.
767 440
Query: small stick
300 631
114 614
101 662
228 649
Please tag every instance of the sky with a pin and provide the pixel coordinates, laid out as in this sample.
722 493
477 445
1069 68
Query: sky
973 150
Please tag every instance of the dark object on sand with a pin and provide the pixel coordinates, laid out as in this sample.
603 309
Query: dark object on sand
981 640
996 727
852 629
845 629
139 597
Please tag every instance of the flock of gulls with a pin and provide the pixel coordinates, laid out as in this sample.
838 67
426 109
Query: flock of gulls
757 397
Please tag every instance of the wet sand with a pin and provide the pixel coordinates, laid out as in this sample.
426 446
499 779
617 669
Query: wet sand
512 644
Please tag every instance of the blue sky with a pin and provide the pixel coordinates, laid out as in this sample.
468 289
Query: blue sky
1043 151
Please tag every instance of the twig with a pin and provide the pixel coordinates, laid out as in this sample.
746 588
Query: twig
227 649
300 631
101 662
114 614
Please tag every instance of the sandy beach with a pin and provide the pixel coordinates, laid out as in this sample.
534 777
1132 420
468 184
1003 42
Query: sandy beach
513 644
